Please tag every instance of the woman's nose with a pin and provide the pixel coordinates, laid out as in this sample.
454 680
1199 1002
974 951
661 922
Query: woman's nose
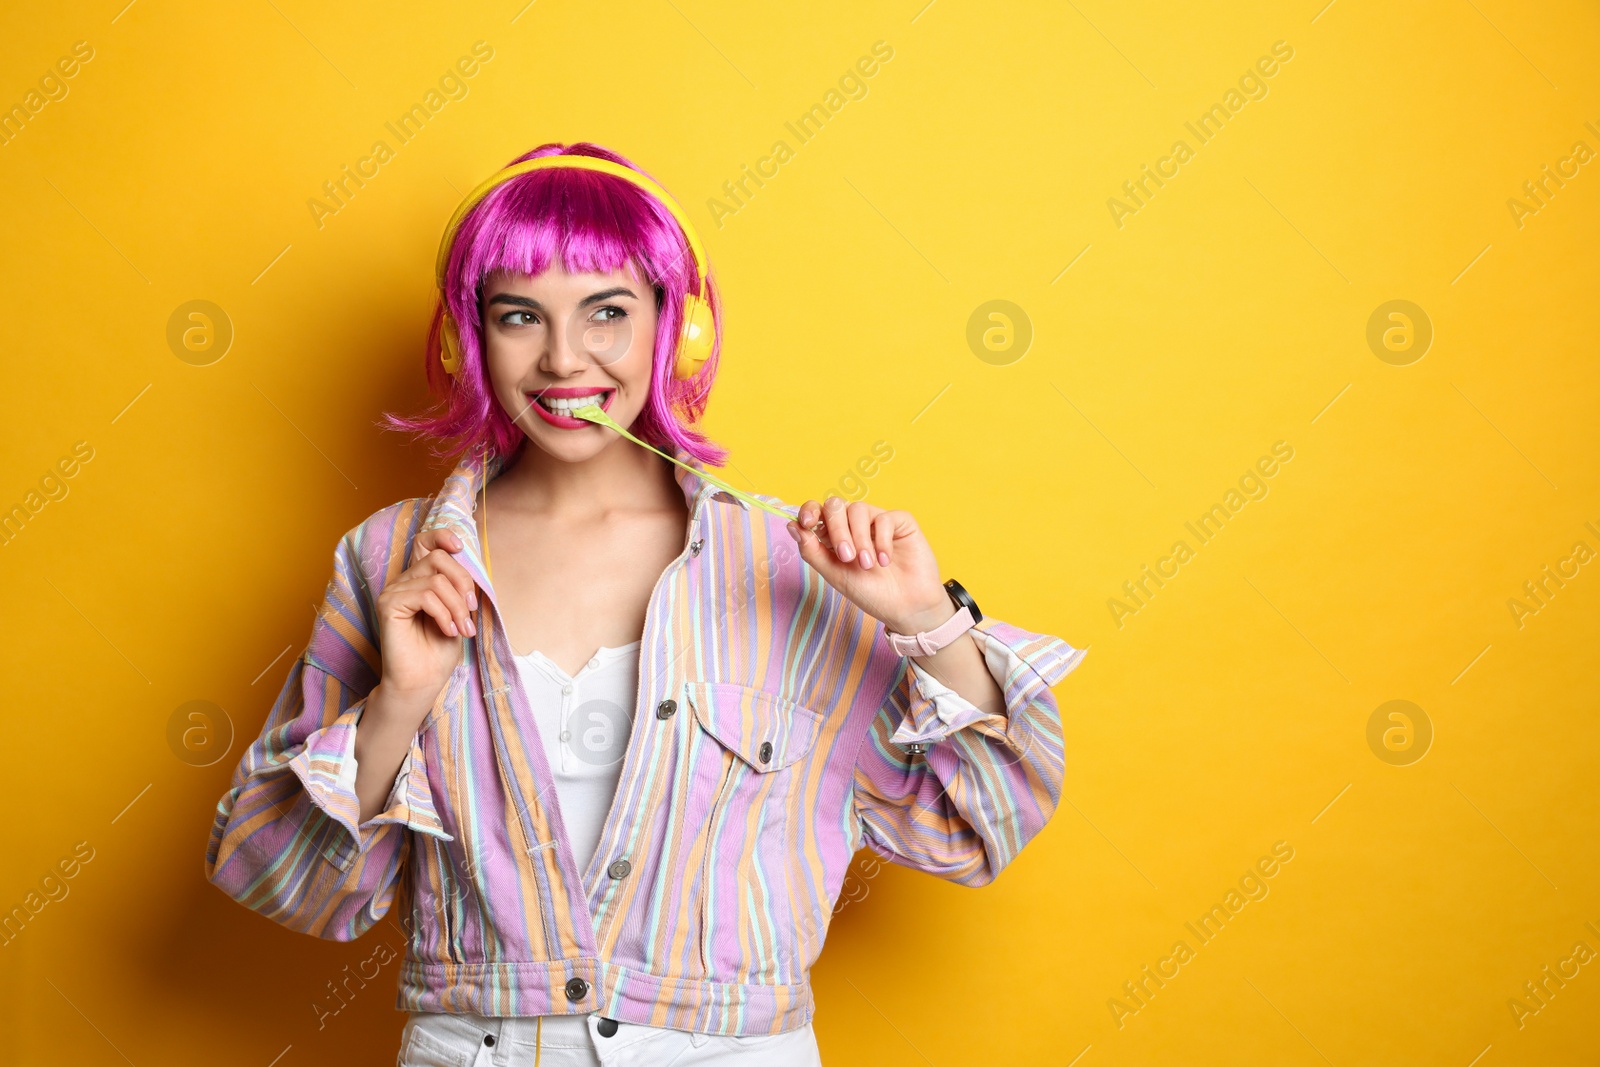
565 353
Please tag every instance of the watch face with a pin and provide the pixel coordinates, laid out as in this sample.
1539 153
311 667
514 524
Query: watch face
963 599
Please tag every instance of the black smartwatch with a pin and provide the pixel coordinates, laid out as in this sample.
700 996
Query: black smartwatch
963 599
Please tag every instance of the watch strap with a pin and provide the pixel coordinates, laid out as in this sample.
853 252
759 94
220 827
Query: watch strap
927 642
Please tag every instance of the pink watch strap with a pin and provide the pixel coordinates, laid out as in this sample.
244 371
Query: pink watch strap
928 642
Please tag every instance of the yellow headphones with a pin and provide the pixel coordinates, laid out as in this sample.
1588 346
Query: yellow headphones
698 332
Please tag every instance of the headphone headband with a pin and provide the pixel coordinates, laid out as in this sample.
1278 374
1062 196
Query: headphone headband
594 163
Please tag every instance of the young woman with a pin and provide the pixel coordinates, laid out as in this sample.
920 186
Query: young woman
615 769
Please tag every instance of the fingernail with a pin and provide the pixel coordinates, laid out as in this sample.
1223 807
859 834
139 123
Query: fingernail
794 531
472 628
847 551
472 599
866 561
453 631
883 558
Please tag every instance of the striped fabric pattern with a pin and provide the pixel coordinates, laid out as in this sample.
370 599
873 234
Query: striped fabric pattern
775 734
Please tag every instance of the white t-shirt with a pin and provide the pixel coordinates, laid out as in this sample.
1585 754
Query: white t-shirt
585 720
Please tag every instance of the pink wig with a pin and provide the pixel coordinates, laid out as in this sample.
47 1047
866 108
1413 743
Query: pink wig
593 222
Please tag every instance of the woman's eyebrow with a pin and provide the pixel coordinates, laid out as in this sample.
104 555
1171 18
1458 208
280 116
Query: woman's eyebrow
529 302
518 301
606 294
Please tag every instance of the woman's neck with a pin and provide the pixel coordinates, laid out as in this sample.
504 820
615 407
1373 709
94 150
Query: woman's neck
618 477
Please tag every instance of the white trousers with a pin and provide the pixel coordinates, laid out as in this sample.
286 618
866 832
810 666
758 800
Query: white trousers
434 1039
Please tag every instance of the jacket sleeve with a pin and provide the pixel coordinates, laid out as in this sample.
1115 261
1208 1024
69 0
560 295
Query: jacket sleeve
945 787
285 840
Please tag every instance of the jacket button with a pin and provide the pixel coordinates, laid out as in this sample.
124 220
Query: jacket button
577 989
694 547
619 869
488 1039
665 709
766 752
607 1027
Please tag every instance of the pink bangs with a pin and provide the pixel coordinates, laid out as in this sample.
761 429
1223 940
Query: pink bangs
586 221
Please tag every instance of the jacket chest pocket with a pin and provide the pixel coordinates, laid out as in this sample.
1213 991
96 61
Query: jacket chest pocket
753 761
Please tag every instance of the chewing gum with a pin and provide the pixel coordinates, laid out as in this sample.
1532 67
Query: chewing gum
595 414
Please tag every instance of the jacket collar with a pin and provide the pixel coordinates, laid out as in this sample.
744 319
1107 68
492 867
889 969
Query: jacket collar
456 503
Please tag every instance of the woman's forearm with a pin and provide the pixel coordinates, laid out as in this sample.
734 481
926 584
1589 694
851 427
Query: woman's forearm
383 737
961 666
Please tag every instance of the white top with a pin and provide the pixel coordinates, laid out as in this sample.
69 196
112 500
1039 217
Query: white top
585 720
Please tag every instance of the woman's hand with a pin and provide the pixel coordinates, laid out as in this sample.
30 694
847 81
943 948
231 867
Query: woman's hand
877 559
422 616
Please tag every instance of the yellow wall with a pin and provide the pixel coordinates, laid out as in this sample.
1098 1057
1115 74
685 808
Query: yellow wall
1172 347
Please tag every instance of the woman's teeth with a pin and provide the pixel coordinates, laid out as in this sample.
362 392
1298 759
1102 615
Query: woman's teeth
566 405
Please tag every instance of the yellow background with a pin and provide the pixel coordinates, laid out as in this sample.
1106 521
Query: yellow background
1230 312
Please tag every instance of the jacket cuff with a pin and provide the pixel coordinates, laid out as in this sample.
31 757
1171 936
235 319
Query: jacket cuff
411 800
1021 663
326 765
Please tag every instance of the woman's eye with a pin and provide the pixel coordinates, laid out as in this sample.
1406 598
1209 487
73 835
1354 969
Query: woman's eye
517 318
611 313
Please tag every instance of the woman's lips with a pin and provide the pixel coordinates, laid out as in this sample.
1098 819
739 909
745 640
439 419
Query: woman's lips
569 422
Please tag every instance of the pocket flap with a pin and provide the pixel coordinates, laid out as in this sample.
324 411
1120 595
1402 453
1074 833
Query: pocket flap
767 731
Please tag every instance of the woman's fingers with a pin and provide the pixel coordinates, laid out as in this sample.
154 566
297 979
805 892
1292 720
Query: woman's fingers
883 535
436 584
439 537
450 567
445 589
437 596
859 516
815 552
849 529
434 548
837 523
806 517
432 605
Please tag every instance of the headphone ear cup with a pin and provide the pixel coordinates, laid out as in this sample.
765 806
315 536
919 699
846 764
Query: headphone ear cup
449 346
695 339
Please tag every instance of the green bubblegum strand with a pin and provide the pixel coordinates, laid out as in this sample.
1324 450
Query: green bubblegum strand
593 413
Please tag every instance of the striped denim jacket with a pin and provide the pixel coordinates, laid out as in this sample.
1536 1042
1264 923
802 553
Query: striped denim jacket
775 734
